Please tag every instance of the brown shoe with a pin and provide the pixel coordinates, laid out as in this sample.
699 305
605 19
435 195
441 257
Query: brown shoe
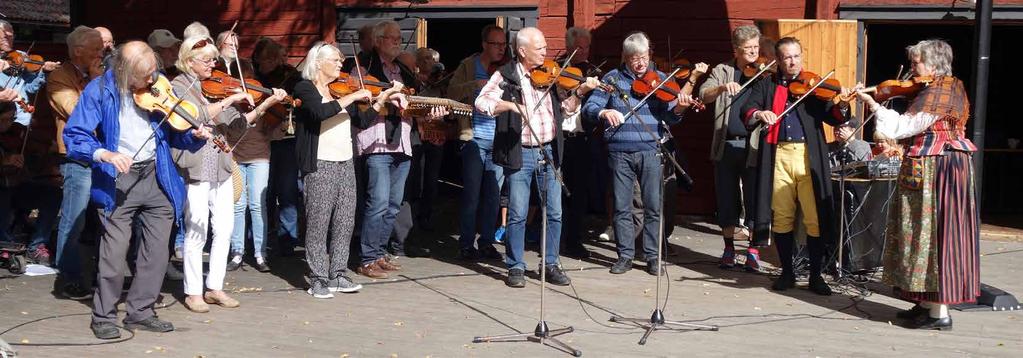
387 265
196 304
220 298
371 270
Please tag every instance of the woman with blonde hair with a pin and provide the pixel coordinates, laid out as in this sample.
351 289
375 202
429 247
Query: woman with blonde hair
207 173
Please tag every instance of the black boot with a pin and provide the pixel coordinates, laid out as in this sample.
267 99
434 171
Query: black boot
816 252
787 279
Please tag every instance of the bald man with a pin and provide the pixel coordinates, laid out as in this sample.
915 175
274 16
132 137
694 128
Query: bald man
511 98
133 176
108 44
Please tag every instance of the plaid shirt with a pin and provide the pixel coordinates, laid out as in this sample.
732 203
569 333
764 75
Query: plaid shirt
542 119
945 98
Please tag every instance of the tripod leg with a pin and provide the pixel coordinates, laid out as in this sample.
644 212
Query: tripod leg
501 338
563 345
649 329
698 327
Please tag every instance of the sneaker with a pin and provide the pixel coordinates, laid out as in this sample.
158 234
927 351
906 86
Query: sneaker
652 268
371 270
41 255
727 260
75 291
516 278
468 254
261 265
623 265
556 276
235 262
752 262
105 330
152 324
343 284
487 251
320 290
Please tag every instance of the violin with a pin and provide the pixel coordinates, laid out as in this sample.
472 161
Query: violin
829 90
567 78
181 114
668 92
222 85
751 69
899 88
346 84
30 63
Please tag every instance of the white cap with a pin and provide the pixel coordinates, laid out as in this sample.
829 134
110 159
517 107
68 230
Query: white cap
162 38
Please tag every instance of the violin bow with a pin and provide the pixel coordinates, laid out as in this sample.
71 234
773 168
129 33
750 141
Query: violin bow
632 112
358 67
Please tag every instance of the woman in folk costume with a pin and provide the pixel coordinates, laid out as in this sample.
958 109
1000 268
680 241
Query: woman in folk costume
931 247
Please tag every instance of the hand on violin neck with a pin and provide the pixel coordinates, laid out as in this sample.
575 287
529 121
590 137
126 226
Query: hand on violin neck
50 66
591 84
684 101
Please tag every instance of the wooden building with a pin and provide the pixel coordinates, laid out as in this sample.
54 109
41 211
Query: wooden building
862 40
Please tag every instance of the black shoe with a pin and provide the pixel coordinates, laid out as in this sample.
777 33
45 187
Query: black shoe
232 264
105 330
818 286
152 324
487 251
652 268
556 276
75 291
413 251
261 266
516 278
173 273
623 265
913 313
928 323
286 250
576 251
784 282
468 254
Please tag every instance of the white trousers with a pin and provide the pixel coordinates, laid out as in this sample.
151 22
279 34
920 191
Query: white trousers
206 198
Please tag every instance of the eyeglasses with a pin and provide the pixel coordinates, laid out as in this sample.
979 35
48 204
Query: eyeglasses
639 59
750 48
209 61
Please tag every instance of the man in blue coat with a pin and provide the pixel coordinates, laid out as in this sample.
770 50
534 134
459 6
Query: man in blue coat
132 176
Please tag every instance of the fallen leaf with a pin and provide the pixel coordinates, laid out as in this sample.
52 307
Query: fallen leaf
23 312
24 340
399 323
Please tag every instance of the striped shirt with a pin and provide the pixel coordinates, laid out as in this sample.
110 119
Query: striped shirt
542 119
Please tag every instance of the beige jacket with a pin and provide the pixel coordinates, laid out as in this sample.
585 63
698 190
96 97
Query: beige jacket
719 75
462 88
63 88
230 119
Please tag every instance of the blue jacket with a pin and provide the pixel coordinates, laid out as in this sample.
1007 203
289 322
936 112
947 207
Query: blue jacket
27 82
629 136
94 124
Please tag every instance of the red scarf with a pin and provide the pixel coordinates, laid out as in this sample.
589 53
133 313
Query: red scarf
781 96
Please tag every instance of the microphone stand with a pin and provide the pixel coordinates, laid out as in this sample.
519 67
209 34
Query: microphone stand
656 320
542 333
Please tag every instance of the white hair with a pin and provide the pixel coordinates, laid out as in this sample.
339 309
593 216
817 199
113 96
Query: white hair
380 28
744 33
525 35
319 51
574 34
79 37
636 43
6 25
935 54
196 29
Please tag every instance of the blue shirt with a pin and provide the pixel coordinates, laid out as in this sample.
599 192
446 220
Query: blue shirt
27 82
482 124
791 129
630 136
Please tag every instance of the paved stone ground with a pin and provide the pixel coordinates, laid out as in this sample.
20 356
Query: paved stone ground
436 306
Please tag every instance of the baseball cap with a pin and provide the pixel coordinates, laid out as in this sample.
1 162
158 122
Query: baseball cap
162 38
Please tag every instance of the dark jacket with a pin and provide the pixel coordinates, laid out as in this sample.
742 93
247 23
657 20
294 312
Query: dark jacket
508 132
311 113
813 113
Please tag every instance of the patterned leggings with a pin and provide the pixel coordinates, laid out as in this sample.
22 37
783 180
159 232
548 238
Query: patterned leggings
330 203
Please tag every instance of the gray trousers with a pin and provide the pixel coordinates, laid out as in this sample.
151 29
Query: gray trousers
330 218
137 194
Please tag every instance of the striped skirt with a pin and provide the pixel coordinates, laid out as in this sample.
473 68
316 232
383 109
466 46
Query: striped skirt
933 231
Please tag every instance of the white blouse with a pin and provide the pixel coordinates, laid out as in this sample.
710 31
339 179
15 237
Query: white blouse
893 125
335 143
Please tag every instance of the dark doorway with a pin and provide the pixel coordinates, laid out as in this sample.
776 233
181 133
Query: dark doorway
1003 165
455 39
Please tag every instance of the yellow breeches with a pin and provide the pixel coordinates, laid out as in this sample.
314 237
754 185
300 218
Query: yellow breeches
793 186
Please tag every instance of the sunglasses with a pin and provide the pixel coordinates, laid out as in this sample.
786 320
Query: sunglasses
202 43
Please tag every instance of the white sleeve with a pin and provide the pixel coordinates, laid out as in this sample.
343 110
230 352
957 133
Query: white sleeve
893 125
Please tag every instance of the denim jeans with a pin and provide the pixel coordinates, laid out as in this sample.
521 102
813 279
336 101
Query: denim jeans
482 180
77 182
28 196
285 186
519 183
626 169
385 187
254 178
